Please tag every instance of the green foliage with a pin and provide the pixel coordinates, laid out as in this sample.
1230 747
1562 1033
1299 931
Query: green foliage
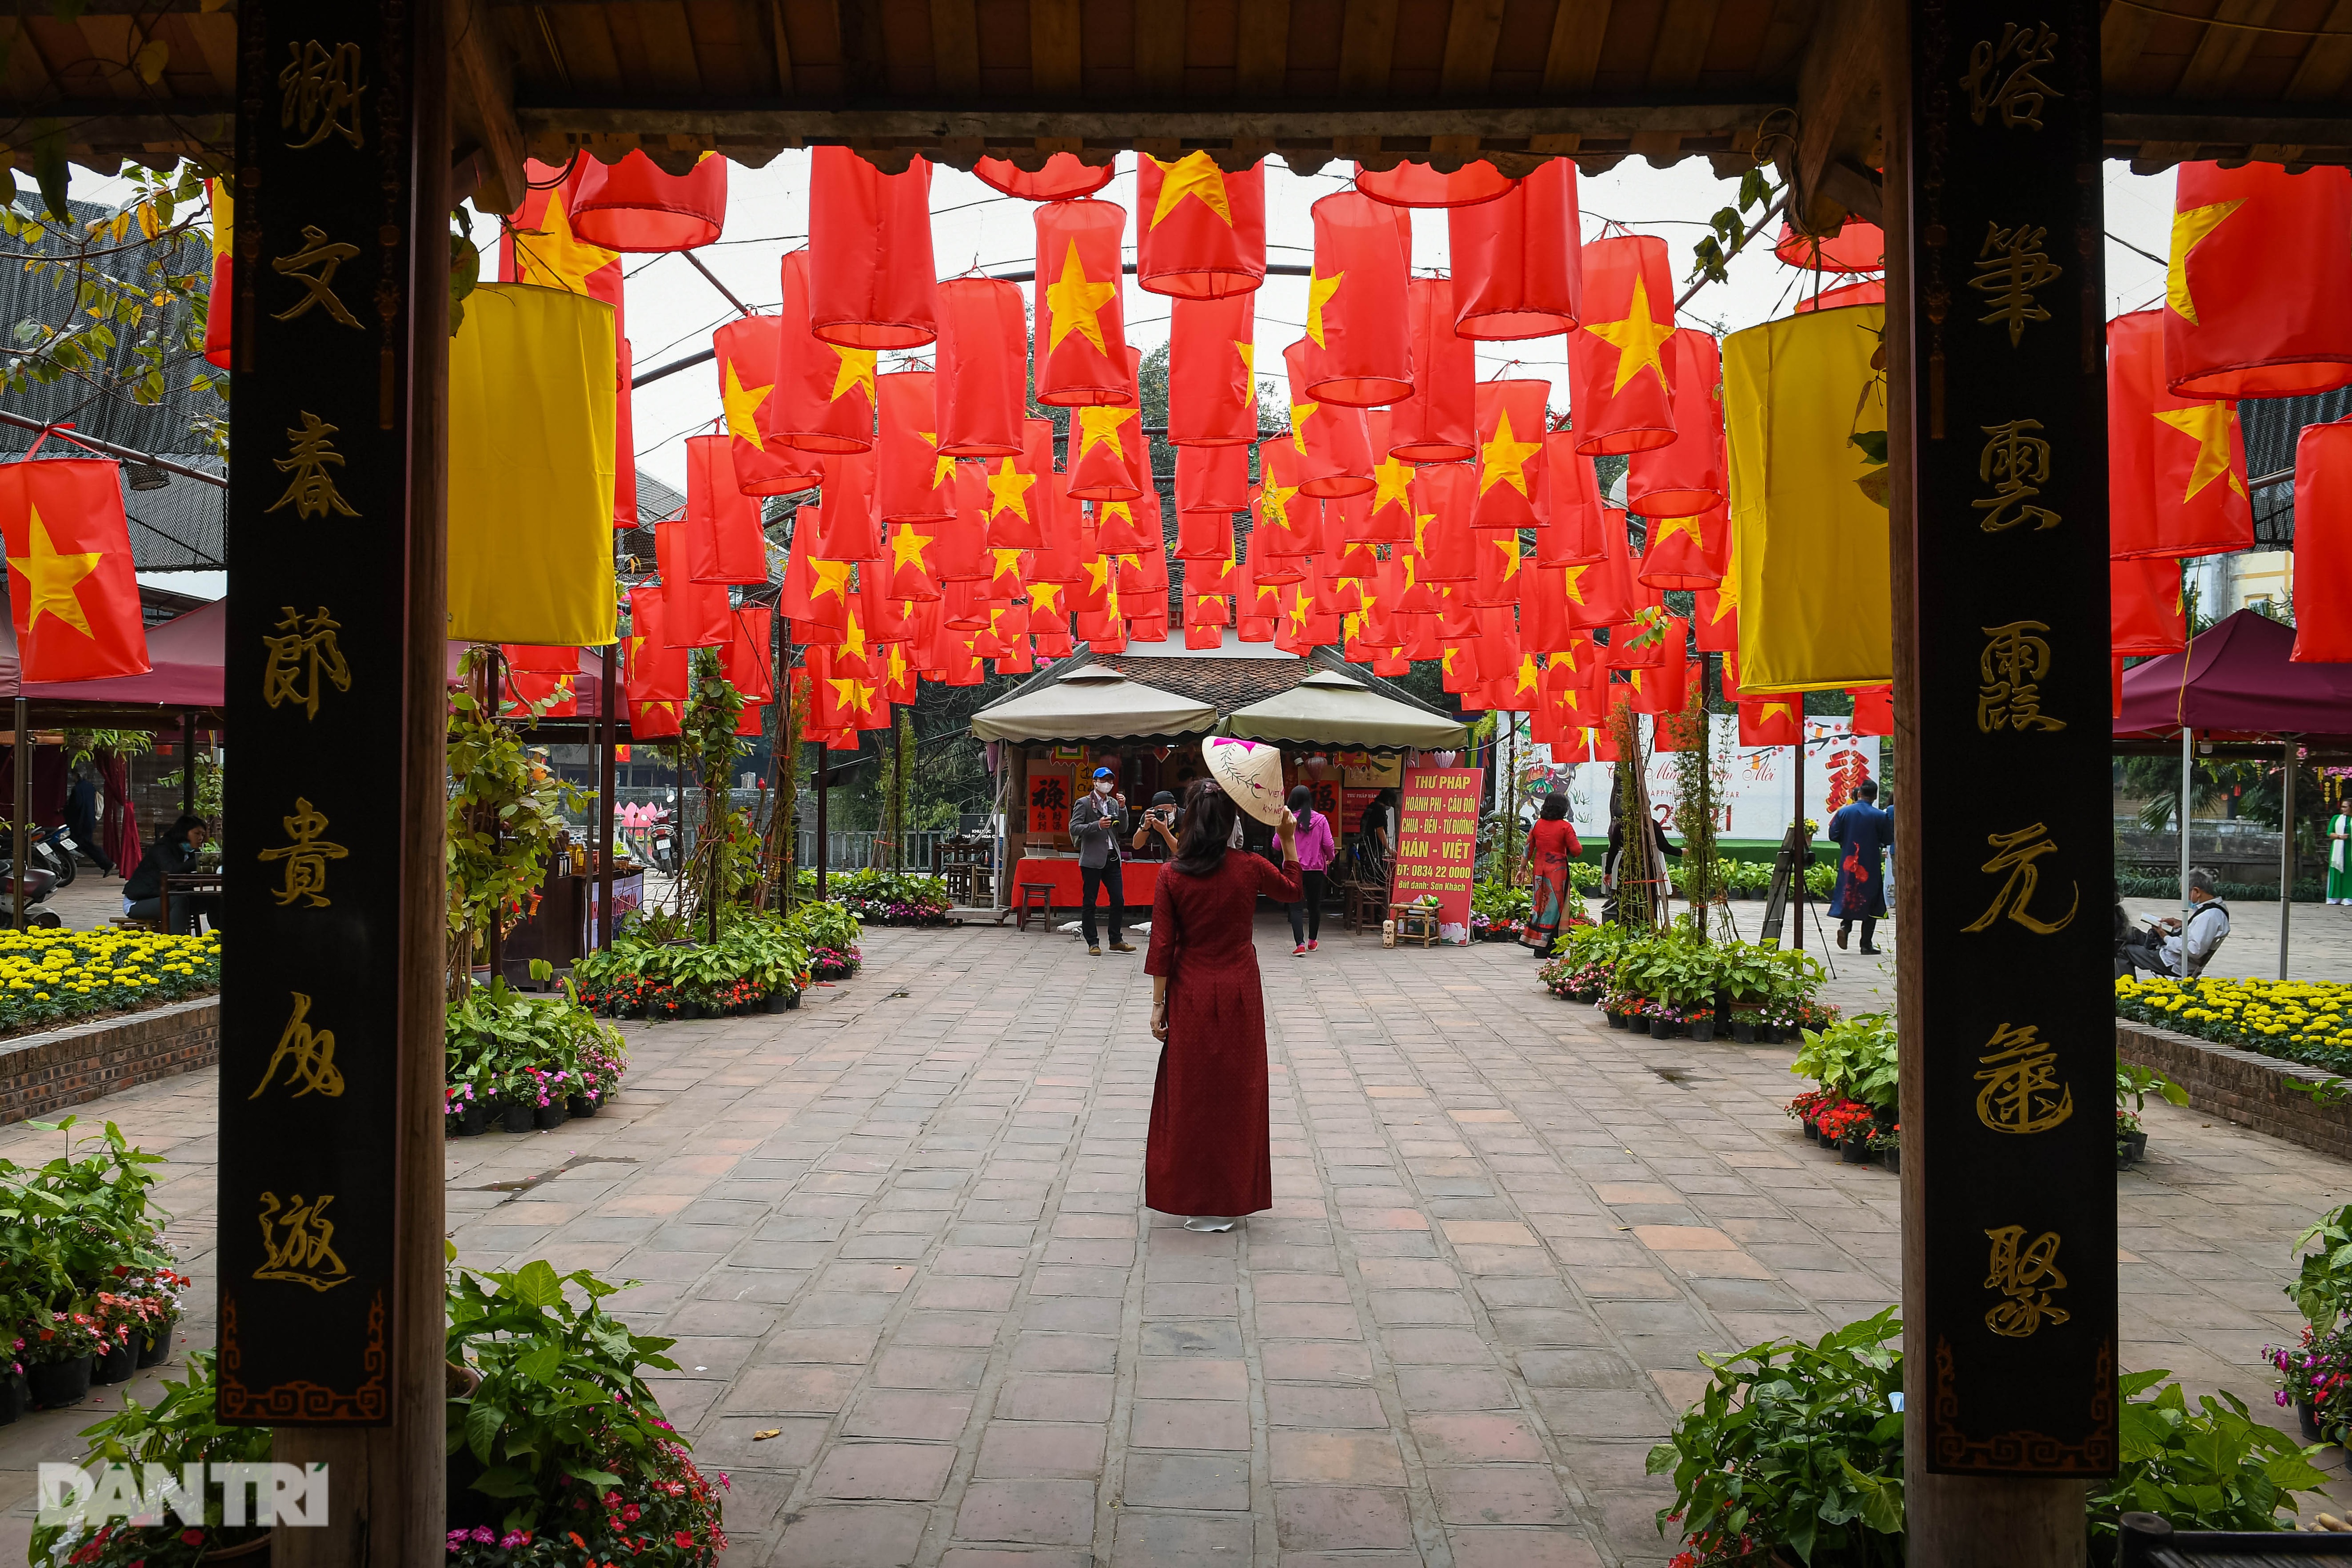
2322 1289
658 964
898 896
1500 901
208 789
1730 228
1853 1059
507 1047
84 744
507 810
2211 1467
2135 1083
1798 1446
1700 780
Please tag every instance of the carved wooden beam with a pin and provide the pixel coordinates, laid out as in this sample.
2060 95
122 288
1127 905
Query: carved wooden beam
1837 115
481 106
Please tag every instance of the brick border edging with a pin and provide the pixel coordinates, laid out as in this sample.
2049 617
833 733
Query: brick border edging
80 1062
2243 1086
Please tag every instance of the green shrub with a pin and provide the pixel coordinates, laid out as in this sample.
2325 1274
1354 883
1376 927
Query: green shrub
1853 1059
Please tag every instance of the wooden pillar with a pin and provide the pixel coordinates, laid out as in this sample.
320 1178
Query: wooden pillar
1998 491
330 1250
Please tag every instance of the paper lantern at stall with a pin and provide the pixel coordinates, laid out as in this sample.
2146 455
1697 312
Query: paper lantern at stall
824 391
852 522
871 282
913 481
634 207
1332 444
746 351
1199 231
981 384
1081 336
2175 467
1061 177
1212 372
1517 261
737 546
1616 364
73 592
1357 323
2258 296
1418 185
1856 249
1685 477
2323 544
1438 421
1511 426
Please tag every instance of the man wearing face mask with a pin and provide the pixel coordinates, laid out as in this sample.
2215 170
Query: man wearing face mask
1096 823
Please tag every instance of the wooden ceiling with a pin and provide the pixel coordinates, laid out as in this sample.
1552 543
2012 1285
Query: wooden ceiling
1313 80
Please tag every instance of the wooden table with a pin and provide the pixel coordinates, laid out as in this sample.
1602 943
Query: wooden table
176 883
1138 880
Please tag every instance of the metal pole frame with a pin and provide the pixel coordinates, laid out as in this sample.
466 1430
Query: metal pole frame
607 789
2286 857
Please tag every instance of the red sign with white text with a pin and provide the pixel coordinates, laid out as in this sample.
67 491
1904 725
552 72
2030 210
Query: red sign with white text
1437 842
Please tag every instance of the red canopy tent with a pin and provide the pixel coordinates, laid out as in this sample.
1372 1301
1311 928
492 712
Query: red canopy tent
187 651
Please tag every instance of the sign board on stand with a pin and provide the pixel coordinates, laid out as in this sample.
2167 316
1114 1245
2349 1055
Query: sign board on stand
1757 800
1437 843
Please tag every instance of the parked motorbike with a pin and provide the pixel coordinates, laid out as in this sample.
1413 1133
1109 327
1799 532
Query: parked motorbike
54 850
38 884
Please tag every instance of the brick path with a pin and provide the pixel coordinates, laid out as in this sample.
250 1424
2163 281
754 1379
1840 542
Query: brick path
901 1227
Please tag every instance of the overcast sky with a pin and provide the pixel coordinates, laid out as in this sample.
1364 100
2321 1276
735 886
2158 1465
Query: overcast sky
672 309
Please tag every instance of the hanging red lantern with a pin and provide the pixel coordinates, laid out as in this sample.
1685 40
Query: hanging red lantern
817 591
1384 514
914 483
1080 355
1543 611
1681 551
1569 534
652 671
1616 362
1870 291
1212 372
1497 578
1412 184
746 351
1517 260
1874 709
2145 614
1356 303
852 527
911 574
2323 544
1438 421
2258 299
1199 231
1602 593
1212 478
962 548
871 282
1016 492
633 205
1061 177
729 542
1715 621
1512 421
1102 462
1333 443
1287 521
1686 476
694 614
533 659
2176 465
1857 249
1444 542
748 661
824 391
982 363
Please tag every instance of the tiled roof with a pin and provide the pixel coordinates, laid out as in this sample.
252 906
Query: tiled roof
1227 683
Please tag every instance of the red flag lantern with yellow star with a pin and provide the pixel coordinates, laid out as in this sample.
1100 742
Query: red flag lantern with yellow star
1212 479
824 391
1569 534
73 593
914 482
1438 423
536 659
871 282
652 671
2176 465
1616 364
1681 549
633 205
1686 476
2144 609
1361 336
851 527
693 614
1204 536
1212 372
1059 177
910 574
1771 720
1497 579
1333 443
983 361
1288 522
1017 495
1543 611
1715 621
1601 593
1199 232
537 246
728 542
746 351
1444 543
962 547
1081 336
1254 605
1102 467
1511 425
2323 544
846 696
749 661
1874 709
1384 515
1407 183
815 590
1517 261
2258 296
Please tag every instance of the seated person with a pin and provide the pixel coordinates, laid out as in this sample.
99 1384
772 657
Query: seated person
2185 952
173 854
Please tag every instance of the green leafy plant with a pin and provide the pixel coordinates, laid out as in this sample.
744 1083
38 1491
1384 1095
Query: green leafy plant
1853 1059
506 815
2135 1083
2322 1289
2210 1467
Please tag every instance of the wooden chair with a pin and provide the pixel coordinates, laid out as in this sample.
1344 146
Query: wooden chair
1359 905
1414 924
1037 899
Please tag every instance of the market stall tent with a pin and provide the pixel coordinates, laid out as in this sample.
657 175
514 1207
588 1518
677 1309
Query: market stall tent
2236 681
1092 704
188 654
1328 708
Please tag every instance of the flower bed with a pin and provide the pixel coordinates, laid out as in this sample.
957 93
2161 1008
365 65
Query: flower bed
2294 1021
884 897
513 1050
1672 975
658 968
51 976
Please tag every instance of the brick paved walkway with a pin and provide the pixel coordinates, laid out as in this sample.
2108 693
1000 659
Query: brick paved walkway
901 1227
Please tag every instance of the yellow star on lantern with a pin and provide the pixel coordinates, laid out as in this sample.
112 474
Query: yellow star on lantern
1107 510
1771 709
1008 564
1637 338
1204 603
856 370
1249 358
1195 174
2208 424
1319 289
1300 412
1669 526
1075 304
555 257
832 577
1445 660
1412 569
1571 581
2187 229
1275 502
1099 574
1509 545
1528 678
1008 490
942 468
1301 607
1393 479
1724 605
852 695
1351 626
52 577
1503 460
1100 427
742 403
907 547
853 637
1045 598
898 663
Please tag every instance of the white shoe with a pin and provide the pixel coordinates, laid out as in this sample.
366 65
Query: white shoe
1208 1222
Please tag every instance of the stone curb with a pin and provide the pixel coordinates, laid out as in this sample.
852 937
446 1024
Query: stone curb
79 1063
2244 1086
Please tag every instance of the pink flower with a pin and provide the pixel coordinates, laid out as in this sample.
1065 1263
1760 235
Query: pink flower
485 1535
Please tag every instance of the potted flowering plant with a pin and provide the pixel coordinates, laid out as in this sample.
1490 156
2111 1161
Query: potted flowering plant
158 1291
60 1351
2314 1377
1886 1142
120 1322
1803 1109
1846 1126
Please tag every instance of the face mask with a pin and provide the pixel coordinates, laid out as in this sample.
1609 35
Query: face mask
1102 785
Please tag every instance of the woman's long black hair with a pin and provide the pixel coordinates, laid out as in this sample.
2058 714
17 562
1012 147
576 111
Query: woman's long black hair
1209 815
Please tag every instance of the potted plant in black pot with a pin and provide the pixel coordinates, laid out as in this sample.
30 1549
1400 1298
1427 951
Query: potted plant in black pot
60 1351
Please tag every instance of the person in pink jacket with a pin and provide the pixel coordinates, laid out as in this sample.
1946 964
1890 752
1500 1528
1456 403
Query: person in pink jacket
1316 848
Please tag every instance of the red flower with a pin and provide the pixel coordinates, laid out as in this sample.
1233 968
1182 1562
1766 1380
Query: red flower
192 1537
683 1538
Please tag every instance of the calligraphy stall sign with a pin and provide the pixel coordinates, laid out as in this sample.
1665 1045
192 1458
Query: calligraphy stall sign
311 1014
1050 798
2014 1337
1437 842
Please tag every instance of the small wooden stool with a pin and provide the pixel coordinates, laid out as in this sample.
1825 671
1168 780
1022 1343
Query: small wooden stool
1037 899
1414 924
1356 903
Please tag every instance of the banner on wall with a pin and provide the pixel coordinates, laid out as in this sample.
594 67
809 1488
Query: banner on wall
1049 802
1759 797
1437 843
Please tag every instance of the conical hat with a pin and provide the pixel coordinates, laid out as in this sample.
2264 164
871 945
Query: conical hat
1249 772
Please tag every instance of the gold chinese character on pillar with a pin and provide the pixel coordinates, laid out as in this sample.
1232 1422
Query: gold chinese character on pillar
297 1242
2011 667
2020 1073
306 857
2015 854
2010 266
2017 463
2024 1276
303 657
2000 75
308 1055
312 489
322 89
326 254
